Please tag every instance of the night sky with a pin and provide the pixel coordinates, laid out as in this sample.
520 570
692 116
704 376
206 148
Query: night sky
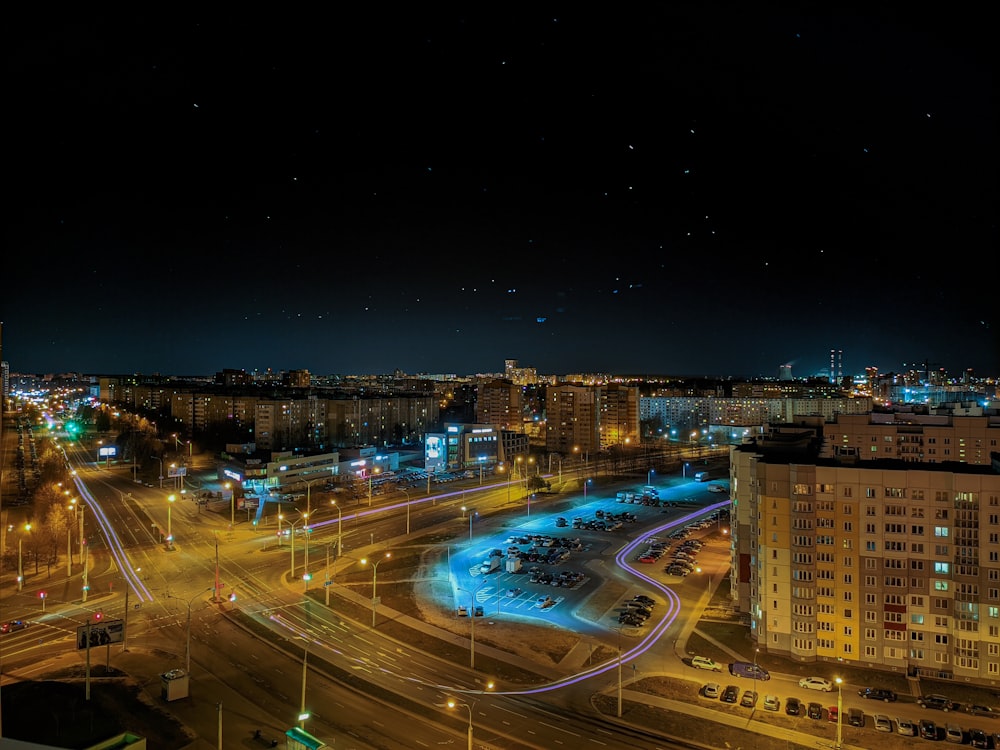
672 188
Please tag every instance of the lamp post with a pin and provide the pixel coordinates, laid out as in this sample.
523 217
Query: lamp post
374 564
756 653
309 483
840 712
472 617
302 706
170 533
280 519
407 511
187 648
69 541
649 477
305 560
84 557
291 530
453 704
327 583
340 528
371 475
20 567
232 505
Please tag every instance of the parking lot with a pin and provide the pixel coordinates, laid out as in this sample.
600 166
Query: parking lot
549 564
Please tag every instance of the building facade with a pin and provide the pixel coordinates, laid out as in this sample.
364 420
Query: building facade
887 563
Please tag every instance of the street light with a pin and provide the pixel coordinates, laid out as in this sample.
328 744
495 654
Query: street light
649 476
840 711
309 483
232 505
291 529
20 568
170 533
303 715
407 510
374 564
161 470
453 704
472 617
471 516
69 540
340 528
187 649
371 475
305 562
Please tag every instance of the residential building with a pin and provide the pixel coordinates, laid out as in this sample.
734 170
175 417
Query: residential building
885 558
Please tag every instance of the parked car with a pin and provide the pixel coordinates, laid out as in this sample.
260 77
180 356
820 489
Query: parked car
750 670
771 703
877 694
906 727
935 700
816 683
978 738
928 729
731 694
793 707
855 717
977 710
814 711
703 662
463 611
711 690
645 600
832 713
954 733
882 723
749 698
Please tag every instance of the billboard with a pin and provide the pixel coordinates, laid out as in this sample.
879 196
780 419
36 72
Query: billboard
108 451
101 634
177 471
435 452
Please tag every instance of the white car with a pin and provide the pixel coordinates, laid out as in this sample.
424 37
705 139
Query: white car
703 662
712 690
906 727
816 683
883 723
771 703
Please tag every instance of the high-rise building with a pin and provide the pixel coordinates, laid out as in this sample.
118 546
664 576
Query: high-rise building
853 542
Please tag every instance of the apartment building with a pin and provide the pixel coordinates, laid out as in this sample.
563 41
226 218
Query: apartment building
501 404
886 563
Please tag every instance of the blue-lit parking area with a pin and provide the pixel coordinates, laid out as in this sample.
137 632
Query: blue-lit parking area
548 565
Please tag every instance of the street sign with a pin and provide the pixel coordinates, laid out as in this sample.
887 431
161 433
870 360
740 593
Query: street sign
101 634
327 583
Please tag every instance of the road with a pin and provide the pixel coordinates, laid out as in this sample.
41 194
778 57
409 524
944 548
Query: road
207 562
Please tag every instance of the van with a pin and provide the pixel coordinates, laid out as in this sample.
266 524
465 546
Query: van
750 670
701 476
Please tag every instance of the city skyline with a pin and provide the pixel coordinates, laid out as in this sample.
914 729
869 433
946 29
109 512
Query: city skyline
695 191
